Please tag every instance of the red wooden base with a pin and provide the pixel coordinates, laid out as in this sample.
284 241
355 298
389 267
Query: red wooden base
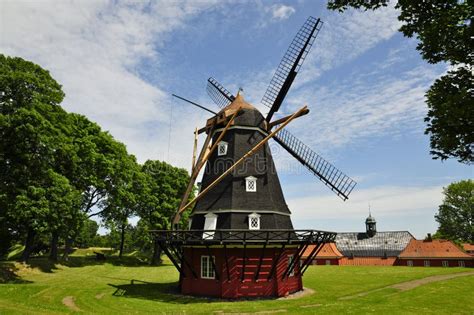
229 282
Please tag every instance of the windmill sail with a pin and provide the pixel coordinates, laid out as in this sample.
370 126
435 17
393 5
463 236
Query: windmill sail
220 95
336 180
290 65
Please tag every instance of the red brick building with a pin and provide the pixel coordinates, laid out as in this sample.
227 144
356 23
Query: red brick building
327 255
390 248
434 253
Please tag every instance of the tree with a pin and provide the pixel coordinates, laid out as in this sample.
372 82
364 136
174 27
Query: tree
121 201
87 236
444 31
34 150
456 213
160 197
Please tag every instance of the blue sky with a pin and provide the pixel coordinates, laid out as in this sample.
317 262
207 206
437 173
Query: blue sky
363 82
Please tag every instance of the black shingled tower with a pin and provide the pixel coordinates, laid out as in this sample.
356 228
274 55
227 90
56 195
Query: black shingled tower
229 200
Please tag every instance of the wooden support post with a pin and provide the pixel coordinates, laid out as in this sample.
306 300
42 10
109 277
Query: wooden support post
226 262
260 261
313 254
170 256
194 150
295 260
203 157
242 276
275 264
242 159
194 175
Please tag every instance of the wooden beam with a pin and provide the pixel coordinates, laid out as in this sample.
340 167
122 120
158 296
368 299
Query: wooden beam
214 145
281 120
252 151
194 175
194 150
203 157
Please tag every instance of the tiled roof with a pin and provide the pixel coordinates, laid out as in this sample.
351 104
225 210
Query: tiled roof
468 247
432 249
380 245
329 250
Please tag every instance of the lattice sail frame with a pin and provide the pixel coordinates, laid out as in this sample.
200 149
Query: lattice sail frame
220 95
290 65
332 177
281 82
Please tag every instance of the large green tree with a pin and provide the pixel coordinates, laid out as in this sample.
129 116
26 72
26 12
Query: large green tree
35 150
456 213
444 30
160 198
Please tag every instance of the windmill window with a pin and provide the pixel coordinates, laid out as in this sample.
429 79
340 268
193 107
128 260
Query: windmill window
254 221
445 263
222 148
410 263
207 267
461 263
427 263
251 184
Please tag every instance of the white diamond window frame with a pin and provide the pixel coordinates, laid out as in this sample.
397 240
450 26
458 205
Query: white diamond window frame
254 221
251 184
222 148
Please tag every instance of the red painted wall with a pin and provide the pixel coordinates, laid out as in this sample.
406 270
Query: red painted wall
234 287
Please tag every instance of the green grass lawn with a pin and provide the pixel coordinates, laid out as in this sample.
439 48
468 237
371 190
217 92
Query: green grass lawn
107 288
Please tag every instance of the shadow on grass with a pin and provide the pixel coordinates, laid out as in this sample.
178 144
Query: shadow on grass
8 274
163 292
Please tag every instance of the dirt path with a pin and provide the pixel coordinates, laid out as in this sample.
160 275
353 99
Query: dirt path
69 302
405 286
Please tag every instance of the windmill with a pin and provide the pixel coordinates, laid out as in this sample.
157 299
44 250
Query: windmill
240 241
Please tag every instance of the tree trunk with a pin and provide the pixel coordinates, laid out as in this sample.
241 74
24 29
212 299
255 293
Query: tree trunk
53 254
122 240
29 245
156 258
68 248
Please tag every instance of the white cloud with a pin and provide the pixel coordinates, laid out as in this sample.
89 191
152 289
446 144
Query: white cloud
388 201
281 12
94 48
345 36
365 106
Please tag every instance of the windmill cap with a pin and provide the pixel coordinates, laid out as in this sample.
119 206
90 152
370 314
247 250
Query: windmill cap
239 102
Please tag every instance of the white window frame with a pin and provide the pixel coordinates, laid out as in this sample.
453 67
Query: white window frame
222 148
426 263
445 263
290 261
209 224
461 263
248 181
207 269
410 263
252 218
